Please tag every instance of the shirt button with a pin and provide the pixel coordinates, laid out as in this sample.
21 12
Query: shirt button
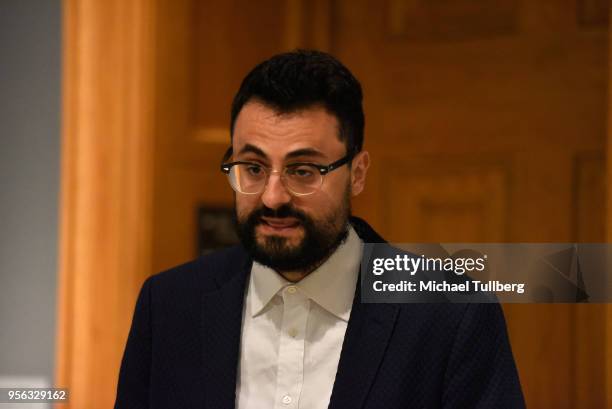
286 399
291 290
293 332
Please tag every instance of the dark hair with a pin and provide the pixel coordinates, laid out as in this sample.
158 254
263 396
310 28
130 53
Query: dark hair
301 79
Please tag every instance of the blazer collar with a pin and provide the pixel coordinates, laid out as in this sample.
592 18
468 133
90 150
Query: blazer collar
368 332
221 327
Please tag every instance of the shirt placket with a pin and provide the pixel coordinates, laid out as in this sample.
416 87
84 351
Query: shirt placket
290 376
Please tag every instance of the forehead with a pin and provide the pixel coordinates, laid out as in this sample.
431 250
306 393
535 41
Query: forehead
279 134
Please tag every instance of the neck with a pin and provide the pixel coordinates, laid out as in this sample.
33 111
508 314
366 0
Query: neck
295 276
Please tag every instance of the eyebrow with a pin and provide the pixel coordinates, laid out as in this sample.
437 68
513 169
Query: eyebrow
248 148
304 152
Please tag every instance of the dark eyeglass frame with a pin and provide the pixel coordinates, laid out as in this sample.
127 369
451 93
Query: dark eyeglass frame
226 167
323 169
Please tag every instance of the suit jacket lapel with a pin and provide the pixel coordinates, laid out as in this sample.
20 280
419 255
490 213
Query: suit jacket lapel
221 328
367 334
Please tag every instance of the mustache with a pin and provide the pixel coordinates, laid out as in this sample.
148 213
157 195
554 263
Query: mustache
282 212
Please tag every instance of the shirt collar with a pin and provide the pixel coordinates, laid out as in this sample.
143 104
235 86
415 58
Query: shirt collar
332 285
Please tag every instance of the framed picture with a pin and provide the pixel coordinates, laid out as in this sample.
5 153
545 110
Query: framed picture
216 228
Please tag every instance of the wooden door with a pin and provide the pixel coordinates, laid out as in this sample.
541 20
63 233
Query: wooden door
490 120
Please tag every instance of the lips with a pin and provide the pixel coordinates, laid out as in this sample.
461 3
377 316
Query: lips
280 223
286 226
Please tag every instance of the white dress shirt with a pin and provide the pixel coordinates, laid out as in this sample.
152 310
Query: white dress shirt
292 333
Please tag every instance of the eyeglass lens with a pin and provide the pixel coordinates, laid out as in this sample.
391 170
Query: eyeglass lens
252 178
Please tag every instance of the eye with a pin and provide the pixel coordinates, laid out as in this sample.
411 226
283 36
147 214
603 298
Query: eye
254 170
301 172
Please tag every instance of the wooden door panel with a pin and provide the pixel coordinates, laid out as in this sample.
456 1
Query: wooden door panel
489 129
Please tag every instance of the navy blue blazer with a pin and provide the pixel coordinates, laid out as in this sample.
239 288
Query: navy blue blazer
183 347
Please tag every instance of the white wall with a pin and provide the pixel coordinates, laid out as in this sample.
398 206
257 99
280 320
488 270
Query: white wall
30 38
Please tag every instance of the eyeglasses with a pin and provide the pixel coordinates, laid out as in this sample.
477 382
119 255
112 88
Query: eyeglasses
300 178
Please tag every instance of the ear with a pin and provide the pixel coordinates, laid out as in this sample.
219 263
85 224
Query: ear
359 169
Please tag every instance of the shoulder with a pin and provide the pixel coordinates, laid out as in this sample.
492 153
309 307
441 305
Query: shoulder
453 320
204 274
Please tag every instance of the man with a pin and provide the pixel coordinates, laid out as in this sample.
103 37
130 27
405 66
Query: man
277 321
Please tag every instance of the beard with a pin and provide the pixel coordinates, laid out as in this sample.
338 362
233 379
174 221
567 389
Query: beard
320 237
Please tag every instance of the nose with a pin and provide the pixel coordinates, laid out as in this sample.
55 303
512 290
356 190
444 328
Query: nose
275 194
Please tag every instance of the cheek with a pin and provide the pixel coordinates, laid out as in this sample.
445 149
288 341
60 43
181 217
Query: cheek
245 204
325 206
333 191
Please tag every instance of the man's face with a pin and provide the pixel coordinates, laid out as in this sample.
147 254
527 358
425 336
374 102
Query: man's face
282 230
